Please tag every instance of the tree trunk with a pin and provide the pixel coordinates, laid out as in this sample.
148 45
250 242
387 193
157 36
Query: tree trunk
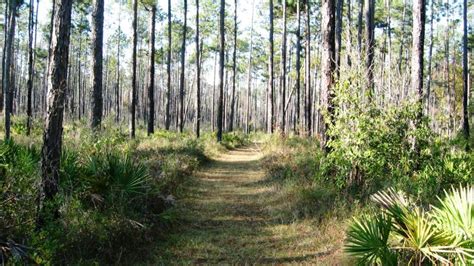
198 74
134 70
220 110
298 67
117 83
369 46
151 75
234 70
183 68
283 72
168 70
328 64
339 5
359 28
30 68
271 107
5 32
52 137
97 64
417 52
430 54
308 99
465 72
7 79
249 78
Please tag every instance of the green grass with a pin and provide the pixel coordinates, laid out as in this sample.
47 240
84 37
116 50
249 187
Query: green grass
224 218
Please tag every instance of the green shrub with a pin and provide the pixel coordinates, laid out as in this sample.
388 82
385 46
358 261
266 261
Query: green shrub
412 235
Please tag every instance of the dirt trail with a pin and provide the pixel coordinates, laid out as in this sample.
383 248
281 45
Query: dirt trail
223 220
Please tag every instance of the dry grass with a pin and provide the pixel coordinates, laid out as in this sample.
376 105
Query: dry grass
225 219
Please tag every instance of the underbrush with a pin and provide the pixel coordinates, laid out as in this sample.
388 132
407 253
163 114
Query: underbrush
113 195
371 150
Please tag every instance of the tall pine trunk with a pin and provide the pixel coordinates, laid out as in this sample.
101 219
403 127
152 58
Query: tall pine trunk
234 70
298 68
198 74
30 68
220 110
183 68
308 98
417 52
283 72
369 46
465 72
328 64
8 83
151 74
97 65
271 108
134 70
168 71
52 136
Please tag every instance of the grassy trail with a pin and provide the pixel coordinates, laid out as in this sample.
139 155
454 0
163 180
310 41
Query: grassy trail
224 220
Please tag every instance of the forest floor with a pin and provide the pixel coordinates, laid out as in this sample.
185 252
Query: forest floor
224 218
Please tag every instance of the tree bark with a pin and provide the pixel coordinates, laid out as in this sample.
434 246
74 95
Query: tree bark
198 74
183 68
151 75
234 70
220 110
359 28
134 69
7 79
298 68
430 54
30 68
465 71
369 46
97 62
249 77
339 5
308 98
271 118
52 137
328 64
417 52
168 70
283 72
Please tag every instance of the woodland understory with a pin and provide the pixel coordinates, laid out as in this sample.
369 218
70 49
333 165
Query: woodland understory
236 132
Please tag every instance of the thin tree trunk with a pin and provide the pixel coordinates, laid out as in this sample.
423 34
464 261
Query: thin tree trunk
134 69
298 68
183 68
249 77
328 63
8 84
198 74
359 28
5 32
168 70
465 72
283 71
339 5
417 52
221 71
270 80
52 137
369 46
308 93
117 84
430 54
234 70
30 68
151 75
97 64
